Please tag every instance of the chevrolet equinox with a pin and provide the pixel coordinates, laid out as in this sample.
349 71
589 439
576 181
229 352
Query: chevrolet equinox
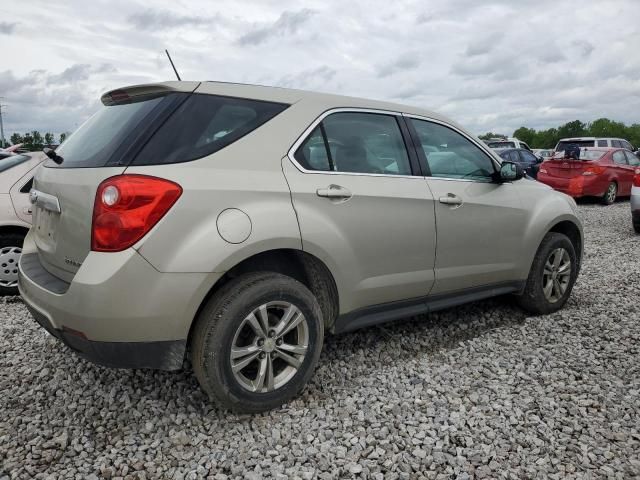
239 223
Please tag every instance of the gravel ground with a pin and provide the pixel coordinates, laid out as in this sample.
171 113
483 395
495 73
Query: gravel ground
479 391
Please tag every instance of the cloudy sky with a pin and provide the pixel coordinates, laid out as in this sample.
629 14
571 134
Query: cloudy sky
491 65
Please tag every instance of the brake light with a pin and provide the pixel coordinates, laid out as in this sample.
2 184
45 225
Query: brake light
127 207
636 179
593 170
542 170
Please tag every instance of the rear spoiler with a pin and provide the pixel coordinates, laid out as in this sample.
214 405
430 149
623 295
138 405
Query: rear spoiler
124 95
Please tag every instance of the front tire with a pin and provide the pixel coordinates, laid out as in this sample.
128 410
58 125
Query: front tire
610 195
552 276
257 341
10 251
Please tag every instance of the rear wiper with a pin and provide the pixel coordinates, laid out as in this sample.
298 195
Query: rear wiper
49 152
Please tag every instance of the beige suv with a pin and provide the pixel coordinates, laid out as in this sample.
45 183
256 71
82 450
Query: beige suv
16 175
241 223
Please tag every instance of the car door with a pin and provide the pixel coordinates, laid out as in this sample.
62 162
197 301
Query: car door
634 166
361 209
623 172
529 162
479 222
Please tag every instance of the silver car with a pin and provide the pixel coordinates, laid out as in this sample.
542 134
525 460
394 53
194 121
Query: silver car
240 223
16 175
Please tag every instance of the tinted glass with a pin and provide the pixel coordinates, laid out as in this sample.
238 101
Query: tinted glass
502 144
358 143
513 156
581 143
93 144
619 158
450 154
591 154
616 143
26 188
602 143
632 159
312 154
626 145
204 124
12 161
528 157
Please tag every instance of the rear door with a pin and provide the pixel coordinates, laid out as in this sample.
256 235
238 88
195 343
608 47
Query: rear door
623 172
529 162
362 209
480 222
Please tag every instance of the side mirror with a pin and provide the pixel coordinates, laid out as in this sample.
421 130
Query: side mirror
510 172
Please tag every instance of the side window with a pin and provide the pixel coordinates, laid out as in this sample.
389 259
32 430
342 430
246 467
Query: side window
602 143
619 158
357 143
632 159
616 144
26 188
451 155
312 154
513 156
626 145
528 157
525 146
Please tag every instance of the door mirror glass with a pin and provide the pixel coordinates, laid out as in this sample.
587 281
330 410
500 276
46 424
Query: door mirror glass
510 171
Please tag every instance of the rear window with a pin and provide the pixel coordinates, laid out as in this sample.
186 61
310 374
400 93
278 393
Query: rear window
98 139
591 154
581 143
12 161
502 144
204 124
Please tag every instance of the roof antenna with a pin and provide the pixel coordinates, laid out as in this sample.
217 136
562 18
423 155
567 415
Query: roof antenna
174 67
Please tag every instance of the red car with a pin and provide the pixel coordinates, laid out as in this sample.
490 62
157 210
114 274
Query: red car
599 172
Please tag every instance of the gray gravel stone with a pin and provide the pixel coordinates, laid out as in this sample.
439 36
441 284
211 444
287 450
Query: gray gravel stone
480 391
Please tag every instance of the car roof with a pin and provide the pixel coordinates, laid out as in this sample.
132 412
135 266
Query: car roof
276 94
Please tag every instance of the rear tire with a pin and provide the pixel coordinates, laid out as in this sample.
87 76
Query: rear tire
241 356
610 195
636 225
10 250
546 292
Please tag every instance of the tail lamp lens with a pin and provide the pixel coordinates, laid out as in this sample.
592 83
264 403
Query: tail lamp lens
636 180
127 207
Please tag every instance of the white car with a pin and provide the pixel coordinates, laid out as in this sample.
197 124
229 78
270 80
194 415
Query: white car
635 202
600 142
16 178
510 142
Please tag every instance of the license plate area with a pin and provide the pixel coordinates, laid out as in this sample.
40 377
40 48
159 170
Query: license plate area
45 225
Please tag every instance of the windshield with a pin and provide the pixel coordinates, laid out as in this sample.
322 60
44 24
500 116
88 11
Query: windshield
502 145
12 161
562 145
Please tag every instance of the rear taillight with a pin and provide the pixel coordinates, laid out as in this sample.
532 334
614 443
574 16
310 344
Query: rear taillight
542 170
636 179
593 170
127 207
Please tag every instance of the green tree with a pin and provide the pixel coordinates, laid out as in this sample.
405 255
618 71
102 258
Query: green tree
575 128
490 135
603 127
16 138
527 135
63 136
27 141
49 138
37 142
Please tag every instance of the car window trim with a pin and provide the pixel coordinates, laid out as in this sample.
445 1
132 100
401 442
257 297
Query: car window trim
492 156
318 120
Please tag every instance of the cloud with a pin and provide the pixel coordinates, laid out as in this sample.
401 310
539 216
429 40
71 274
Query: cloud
7 27
153 19
288 23
317 78
484 45
408 61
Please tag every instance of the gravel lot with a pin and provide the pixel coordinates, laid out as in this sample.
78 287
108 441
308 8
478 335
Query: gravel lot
479 391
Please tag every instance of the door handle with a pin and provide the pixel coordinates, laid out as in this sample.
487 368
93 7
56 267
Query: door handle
450 199
334 191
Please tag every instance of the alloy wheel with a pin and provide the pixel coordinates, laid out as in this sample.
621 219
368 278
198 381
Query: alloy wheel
9 258
611 193
556 275
269 346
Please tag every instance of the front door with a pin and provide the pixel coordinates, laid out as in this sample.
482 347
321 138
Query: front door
362 210
480 223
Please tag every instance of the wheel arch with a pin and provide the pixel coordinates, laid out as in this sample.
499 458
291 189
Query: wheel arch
300 265
13 229
573 232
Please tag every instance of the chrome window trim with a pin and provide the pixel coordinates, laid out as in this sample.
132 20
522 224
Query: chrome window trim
319 119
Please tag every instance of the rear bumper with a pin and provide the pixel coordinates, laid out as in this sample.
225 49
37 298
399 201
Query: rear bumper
580 186
118 310
635 202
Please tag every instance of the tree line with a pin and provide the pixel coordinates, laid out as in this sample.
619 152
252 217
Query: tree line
602 127
35 141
